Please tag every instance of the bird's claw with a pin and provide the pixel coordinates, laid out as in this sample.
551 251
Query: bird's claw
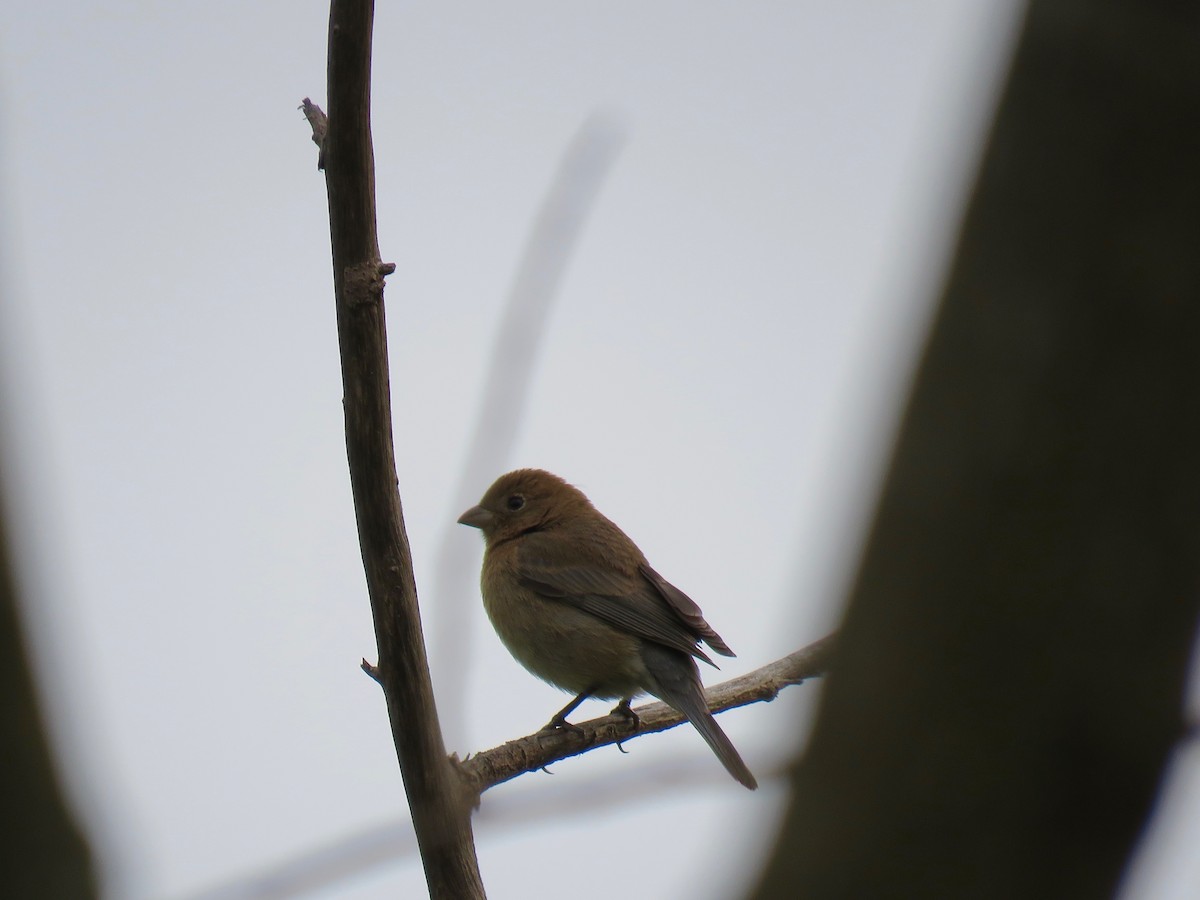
557 724
624 711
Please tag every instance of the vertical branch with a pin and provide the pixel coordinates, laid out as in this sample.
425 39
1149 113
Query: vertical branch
441 818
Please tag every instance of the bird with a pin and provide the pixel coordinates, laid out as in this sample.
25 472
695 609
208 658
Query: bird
576 603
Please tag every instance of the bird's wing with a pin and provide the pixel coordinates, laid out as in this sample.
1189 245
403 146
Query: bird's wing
628 601
686 608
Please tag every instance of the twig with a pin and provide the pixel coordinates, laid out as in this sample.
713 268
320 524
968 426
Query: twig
339 859
528 754
320 124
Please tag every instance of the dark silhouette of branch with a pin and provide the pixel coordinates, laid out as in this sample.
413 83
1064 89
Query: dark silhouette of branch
440 813
1010 676
548 250
42 851
536 751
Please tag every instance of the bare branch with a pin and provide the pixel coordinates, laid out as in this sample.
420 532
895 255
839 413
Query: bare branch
440 813
350 855
536 751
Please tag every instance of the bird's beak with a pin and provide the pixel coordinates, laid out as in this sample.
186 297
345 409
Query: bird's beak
477 517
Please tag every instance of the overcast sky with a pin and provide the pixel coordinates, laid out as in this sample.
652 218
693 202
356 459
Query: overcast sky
720 374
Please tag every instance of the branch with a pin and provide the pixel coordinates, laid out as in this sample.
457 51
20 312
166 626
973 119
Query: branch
320 124
1038 521
536 751
43 851
440 816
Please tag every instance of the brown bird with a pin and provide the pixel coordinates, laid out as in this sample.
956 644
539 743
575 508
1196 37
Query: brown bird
575 602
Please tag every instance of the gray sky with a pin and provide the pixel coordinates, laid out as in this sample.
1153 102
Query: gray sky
729 346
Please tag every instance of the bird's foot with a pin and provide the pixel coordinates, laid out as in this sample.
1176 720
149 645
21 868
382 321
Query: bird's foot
623 710
557 724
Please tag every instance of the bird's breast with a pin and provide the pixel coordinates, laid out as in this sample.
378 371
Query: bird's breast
559 643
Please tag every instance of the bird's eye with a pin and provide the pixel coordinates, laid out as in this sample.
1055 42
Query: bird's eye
515 502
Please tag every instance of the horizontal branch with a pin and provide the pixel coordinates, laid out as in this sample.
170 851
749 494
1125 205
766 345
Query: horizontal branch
536 751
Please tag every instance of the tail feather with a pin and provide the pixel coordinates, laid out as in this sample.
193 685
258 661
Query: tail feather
677 683
721 745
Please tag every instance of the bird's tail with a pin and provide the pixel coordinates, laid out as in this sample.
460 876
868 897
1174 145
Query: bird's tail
678 685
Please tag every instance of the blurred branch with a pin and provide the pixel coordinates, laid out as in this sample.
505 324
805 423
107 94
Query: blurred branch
542 804
441 819
536 751
42 851
548 250
1012 666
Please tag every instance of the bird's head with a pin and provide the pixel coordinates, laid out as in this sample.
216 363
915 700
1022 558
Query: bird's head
522 501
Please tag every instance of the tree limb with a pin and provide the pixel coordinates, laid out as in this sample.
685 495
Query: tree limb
536 751
43 851
1013 663
441 817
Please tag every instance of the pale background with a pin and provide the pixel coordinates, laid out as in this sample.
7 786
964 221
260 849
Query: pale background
721 373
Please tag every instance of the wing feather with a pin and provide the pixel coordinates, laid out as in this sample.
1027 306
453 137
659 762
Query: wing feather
640 602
